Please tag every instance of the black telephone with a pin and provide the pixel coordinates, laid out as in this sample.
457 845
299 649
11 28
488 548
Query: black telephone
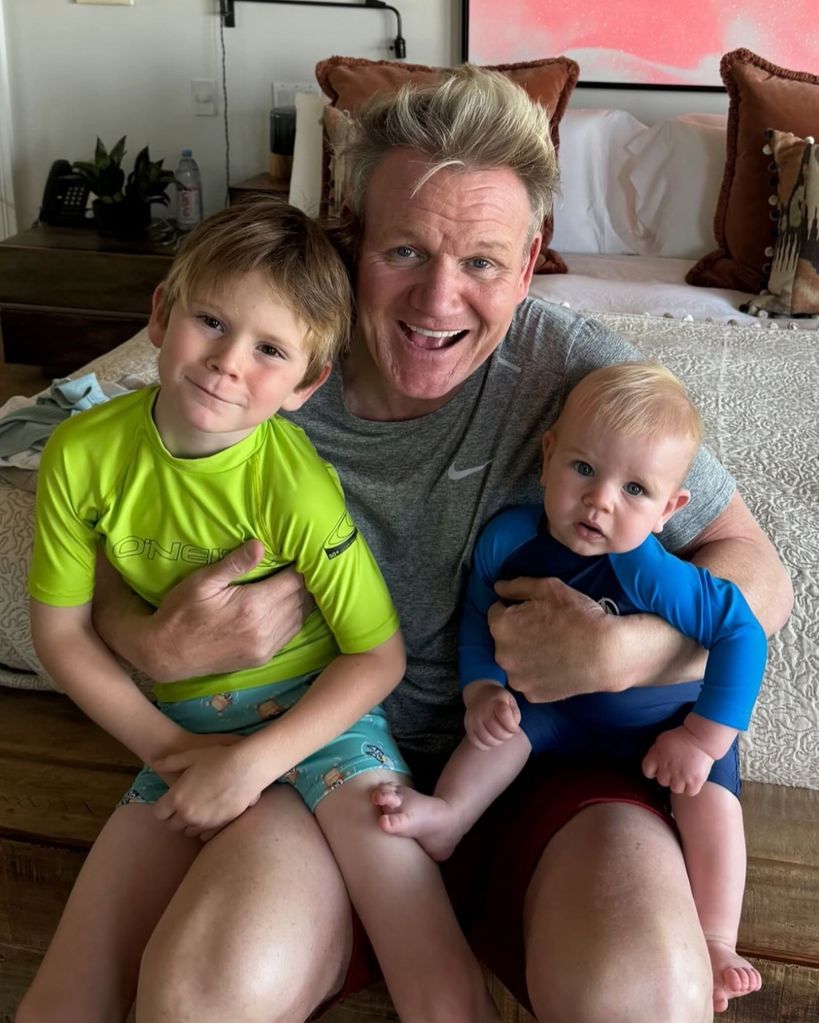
65 197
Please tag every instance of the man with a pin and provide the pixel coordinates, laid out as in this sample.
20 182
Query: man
431 421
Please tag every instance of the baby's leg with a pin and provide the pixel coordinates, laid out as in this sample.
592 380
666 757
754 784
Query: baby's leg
397 890
470 782
713 841
90 970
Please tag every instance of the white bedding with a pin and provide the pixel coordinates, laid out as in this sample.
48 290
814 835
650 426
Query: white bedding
654 285
757 389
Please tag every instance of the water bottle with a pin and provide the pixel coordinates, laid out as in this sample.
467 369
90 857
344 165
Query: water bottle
189 192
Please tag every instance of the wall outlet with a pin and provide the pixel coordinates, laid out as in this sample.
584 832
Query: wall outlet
283 94
205 97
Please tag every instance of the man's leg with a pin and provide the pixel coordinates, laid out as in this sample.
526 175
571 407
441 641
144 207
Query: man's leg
259 931
610 927
90 970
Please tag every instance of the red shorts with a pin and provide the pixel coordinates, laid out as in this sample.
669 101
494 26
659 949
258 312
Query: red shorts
489 874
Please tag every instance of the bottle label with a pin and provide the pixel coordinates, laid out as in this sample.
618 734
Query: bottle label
189 212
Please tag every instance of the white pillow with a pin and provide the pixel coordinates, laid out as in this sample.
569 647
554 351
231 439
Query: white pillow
591 214
672 180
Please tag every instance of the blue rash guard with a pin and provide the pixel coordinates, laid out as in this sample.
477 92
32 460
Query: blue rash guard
712 611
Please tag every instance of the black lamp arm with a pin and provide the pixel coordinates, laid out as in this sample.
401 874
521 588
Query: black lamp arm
228 14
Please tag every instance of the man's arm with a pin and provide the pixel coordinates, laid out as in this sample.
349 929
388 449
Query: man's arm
559 643
204 625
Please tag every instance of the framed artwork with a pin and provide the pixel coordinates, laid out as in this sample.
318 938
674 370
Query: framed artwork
642 44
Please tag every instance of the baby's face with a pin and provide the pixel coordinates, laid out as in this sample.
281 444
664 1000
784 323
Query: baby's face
604 492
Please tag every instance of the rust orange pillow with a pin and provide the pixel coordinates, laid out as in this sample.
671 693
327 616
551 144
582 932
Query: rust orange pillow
761 96
349 81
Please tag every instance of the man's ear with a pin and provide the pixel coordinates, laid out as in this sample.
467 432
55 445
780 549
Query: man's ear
529 266
673 505
294 401
547 446
158 323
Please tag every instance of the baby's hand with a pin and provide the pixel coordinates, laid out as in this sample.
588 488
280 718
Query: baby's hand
492 714
212 789
677 761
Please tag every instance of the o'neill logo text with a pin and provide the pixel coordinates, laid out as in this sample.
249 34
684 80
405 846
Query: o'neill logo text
145 547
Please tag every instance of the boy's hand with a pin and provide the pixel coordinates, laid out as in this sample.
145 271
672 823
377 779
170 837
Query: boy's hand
678 761
214 787
492 714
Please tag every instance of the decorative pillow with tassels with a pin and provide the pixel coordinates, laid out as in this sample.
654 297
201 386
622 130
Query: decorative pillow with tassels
793 285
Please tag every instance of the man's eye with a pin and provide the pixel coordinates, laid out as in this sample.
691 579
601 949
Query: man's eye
479 263
583 469
404 251
633 489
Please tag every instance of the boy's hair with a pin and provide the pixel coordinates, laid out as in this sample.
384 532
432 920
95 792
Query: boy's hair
639 399
473 119
263 234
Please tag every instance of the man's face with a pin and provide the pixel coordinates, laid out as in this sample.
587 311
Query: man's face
439 276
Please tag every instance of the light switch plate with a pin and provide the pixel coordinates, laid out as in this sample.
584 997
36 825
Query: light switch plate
107 3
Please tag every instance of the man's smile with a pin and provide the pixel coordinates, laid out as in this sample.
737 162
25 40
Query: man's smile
431 340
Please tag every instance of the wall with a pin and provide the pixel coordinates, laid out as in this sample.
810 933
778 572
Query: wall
78 71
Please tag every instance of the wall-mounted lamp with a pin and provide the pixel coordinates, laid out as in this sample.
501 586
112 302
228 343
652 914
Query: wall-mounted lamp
398 46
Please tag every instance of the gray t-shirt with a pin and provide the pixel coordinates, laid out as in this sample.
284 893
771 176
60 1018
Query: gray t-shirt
421 490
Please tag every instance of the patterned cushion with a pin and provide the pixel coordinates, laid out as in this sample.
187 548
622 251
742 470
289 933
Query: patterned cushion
349 81
761 95
793 287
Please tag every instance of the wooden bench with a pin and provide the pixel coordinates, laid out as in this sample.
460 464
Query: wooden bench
60 776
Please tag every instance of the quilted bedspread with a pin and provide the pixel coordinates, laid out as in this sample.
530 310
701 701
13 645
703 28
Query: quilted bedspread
758 390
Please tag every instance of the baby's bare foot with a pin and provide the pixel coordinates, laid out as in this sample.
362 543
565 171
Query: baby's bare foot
733 975
429 820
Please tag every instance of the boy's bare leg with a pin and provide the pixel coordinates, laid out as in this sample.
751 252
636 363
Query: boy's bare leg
397 890
90 970
610 927
713 841
259 930
470 782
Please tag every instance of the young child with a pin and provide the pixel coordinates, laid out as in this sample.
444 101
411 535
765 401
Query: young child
613 467
256 305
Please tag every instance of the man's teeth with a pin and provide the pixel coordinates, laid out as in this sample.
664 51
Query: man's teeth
437 334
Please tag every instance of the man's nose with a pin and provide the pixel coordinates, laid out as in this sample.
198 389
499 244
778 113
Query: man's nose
437 289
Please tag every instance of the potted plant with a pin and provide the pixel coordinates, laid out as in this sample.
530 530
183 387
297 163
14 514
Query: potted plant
123 205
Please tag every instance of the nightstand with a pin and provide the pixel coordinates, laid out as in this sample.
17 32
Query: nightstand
69 294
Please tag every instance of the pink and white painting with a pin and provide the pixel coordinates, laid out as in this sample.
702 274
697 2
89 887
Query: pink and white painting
644 42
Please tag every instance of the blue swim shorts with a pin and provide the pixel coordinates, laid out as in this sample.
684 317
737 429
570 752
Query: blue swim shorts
367 746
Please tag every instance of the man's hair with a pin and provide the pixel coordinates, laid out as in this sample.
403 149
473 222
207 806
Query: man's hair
263 234
639 399
471 119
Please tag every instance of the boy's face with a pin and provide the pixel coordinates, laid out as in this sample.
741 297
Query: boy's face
229 358
604 492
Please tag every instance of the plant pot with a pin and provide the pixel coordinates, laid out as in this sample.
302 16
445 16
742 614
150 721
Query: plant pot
121 219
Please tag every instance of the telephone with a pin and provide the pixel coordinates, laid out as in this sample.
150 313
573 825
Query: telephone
65 197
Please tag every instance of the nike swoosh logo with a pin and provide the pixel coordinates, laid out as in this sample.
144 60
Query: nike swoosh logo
459 474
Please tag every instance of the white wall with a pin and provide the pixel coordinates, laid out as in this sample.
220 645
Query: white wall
77 71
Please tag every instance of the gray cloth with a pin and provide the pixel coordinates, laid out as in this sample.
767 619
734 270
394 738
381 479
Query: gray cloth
421 490
29 427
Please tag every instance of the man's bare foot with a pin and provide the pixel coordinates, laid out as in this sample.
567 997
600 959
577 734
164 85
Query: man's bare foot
733 975
429 820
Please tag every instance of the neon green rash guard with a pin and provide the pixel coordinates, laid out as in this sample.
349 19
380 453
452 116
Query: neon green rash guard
105 474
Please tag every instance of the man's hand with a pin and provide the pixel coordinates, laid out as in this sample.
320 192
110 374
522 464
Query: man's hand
678 761
557 643
214 786
492 714
205 625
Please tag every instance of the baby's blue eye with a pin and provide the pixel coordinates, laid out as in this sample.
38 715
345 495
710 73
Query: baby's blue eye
634 489
583 469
